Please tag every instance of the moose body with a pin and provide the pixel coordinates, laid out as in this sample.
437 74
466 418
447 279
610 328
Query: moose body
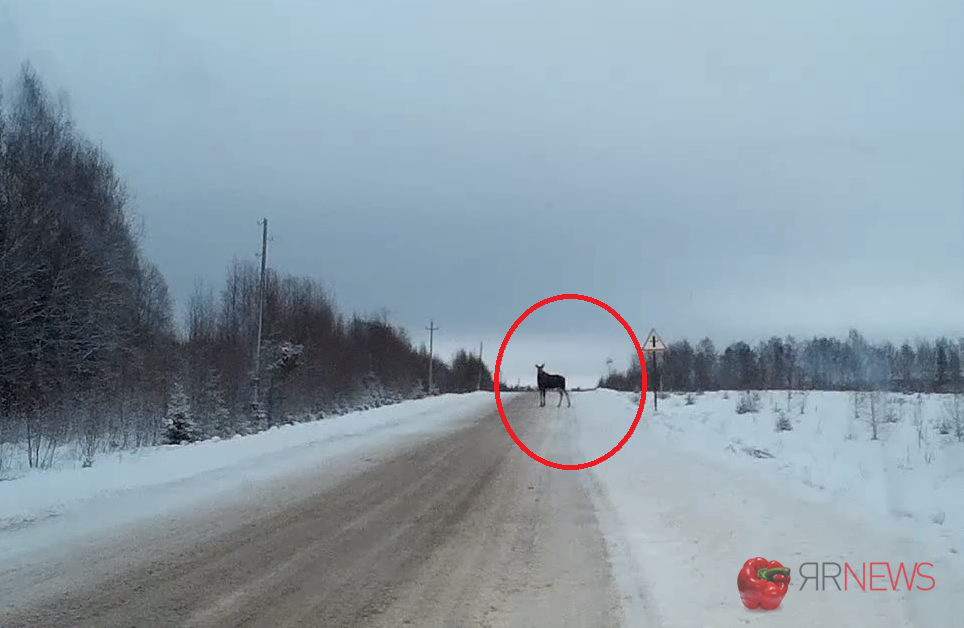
550 381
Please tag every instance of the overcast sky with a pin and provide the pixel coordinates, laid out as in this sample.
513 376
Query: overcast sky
731 169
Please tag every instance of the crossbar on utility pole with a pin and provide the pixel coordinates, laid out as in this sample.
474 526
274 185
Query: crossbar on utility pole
261 290
431 351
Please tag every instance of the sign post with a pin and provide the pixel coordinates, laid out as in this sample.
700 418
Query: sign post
654 346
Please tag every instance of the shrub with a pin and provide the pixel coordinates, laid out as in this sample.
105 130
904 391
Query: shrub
748 403
784 424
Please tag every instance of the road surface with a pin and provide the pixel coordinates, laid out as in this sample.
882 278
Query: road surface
460 530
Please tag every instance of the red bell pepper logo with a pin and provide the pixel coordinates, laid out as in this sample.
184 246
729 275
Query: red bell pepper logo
763 583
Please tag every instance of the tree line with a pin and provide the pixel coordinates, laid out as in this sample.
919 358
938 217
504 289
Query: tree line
90 350
818 363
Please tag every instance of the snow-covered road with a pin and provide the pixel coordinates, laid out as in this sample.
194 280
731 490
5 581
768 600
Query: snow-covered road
458 524
46 509
427 513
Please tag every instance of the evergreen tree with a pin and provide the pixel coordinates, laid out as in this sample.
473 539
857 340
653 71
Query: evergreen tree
180 426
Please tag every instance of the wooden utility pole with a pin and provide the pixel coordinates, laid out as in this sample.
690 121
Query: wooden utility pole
481 365
261 290
431 351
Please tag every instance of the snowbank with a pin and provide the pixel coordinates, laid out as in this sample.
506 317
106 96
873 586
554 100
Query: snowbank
51 506
911 472
699 489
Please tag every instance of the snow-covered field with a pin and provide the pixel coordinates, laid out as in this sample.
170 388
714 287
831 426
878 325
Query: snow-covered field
911 474
41 508
689 498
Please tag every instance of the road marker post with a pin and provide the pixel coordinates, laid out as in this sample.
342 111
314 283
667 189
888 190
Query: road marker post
654 346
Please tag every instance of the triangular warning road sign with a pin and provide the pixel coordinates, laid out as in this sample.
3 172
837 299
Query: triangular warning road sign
654 342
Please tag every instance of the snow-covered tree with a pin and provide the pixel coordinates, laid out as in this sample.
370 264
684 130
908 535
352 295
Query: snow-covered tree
180 426
211 411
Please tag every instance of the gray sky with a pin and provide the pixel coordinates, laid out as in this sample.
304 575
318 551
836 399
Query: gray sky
731 169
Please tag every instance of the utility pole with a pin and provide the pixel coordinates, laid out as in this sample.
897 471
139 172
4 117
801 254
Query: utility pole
431 351
261 287
481 365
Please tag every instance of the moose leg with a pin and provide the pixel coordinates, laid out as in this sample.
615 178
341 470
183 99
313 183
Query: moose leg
568 402
561 390
542 397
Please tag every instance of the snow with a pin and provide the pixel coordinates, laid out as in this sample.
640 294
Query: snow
51 507
696 491
683 505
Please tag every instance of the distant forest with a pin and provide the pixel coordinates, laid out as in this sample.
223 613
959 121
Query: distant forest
854 364
89 348
90 353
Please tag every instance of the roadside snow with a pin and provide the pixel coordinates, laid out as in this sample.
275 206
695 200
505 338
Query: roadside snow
907 476
46 508
687 500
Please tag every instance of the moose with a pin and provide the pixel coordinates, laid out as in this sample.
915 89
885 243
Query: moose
550 381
